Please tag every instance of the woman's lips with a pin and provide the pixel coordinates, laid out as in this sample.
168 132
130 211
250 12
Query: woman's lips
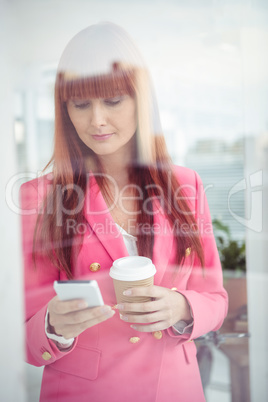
101 137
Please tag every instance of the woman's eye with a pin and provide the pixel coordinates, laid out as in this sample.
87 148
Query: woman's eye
113 101
81 105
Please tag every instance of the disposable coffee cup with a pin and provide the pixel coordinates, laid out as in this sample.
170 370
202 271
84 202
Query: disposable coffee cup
130 272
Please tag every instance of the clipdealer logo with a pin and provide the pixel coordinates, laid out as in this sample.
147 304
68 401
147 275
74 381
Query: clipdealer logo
252 186
254 201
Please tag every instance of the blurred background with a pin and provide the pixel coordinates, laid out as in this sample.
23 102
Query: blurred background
209 63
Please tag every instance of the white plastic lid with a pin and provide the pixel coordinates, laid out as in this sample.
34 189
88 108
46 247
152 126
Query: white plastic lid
132 268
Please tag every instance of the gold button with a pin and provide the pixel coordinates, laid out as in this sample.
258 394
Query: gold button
188 252
174 289
157 334
134 339
46 356
94 267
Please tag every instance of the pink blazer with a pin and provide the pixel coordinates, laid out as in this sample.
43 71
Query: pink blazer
103 364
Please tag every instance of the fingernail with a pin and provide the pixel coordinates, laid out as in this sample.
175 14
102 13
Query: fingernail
106 309
120 307
123 317
133 326
127 292
82 304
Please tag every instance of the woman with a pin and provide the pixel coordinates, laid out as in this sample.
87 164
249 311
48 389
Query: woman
113 192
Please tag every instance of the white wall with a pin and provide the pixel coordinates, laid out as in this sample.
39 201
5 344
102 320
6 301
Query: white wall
257 275
12 378
254 69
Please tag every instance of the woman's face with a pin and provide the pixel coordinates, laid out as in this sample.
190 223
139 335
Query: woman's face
104 125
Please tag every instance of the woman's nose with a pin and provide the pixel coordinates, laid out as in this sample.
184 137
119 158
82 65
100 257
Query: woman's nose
97 115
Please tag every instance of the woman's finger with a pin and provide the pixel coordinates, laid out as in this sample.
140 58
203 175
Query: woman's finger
144 318
80 316
63 307
149 291
72 330
146 307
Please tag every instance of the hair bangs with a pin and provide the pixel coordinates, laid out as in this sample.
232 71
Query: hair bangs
120 82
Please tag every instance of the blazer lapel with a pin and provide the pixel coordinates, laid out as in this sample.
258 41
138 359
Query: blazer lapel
101 222
163 241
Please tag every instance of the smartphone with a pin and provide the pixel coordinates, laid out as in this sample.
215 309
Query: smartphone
86 290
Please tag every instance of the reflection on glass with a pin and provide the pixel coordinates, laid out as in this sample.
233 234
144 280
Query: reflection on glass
213 109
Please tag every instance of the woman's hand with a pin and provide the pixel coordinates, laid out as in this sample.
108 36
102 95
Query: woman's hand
70 318
166 308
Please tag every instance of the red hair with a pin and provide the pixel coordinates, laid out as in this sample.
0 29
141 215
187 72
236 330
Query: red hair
69 171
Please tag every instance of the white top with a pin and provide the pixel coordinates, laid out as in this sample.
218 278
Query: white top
129 240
